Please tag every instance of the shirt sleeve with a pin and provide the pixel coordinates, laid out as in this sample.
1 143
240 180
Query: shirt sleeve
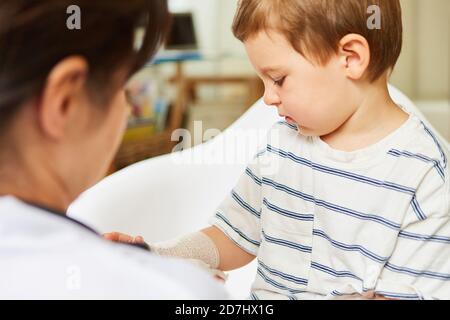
419 267
239 214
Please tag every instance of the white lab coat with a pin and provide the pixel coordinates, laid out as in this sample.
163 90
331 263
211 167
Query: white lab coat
45 255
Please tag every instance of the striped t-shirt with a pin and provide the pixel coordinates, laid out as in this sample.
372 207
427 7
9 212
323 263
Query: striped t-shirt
325 223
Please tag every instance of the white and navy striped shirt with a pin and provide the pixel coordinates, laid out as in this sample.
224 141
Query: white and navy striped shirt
325 223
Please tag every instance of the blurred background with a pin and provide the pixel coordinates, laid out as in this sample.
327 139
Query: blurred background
202 79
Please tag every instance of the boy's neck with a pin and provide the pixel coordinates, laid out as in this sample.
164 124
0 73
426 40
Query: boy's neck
376 116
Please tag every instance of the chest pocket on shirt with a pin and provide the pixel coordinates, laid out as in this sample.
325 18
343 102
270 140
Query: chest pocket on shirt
284 256
297 221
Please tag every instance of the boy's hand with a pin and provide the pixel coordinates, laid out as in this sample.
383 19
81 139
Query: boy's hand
124 238
371 295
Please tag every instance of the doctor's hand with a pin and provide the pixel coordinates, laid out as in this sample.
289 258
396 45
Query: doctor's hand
124 238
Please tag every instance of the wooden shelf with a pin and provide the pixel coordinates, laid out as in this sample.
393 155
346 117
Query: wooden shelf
143 148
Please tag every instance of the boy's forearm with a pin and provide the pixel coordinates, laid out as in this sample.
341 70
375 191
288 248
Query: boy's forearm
209 245
231 255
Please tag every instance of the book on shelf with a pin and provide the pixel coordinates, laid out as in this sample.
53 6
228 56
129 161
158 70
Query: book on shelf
149 110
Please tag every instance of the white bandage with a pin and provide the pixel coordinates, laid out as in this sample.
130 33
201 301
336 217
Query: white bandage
195 246
214 272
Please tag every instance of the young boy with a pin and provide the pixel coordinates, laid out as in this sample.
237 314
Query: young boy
359 203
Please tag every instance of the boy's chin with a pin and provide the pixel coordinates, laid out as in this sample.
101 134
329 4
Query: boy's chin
307 132
304 131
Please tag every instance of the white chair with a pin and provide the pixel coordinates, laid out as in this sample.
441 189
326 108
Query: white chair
168 196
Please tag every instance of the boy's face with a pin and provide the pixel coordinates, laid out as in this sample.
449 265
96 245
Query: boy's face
315 98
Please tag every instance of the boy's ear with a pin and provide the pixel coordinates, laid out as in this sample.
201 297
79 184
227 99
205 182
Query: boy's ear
63 86
354 51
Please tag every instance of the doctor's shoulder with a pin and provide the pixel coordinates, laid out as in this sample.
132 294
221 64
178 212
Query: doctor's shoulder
47 255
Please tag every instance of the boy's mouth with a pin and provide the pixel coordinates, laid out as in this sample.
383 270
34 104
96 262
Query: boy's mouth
290 120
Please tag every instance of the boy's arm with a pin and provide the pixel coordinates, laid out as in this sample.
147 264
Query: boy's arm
231 255
210 246
239 218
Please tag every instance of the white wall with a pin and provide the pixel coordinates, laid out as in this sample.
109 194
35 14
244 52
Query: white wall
433 50
206 14
423 71
213 19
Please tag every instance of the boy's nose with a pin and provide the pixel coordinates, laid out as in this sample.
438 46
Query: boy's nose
271 98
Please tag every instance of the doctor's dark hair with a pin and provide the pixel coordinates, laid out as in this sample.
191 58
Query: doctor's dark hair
315 27
34 37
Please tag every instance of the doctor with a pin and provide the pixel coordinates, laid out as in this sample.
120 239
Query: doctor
62 114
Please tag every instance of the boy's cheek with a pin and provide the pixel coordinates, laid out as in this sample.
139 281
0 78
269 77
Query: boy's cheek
298 108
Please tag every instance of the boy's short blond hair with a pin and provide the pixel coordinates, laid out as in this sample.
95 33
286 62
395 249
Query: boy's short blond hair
315 27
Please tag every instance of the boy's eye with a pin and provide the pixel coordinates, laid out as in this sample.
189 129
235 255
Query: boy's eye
279 82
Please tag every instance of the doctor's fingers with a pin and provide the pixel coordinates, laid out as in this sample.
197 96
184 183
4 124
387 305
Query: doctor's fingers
118 237
139 239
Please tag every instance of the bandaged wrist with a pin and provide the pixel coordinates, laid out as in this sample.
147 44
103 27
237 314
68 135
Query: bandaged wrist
196 246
